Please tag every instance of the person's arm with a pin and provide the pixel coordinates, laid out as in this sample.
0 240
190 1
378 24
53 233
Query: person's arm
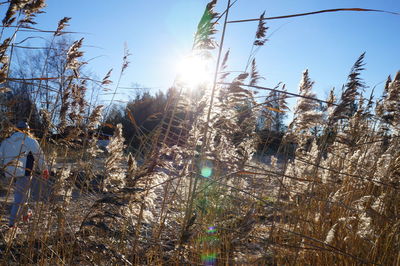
2 159
1 155
40 159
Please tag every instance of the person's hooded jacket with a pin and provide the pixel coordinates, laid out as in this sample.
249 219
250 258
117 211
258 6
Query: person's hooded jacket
20 155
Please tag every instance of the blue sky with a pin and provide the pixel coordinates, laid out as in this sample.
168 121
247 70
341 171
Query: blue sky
160 32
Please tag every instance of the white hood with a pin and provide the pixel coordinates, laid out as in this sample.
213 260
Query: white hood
14 152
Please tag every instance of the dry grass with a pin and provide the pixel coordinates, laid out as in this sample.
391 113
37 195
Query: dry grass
205 201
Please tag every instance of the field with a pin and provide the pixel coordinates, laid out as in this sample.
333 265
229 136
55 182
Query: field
205 173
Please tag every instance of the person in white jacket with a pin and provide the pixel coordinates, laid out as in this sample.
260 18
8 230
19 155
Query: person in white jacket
20 157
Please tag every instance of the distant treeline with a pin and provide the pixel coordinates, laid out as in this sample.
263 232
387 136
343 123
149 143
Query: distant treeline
142 115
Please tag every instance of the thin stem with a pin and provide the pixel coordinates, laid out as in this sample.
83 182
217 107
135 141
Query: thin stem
216 74
316 12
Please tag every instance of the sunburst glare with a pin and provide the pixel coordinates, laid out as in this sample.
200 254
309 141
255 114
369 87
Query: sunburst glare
194 71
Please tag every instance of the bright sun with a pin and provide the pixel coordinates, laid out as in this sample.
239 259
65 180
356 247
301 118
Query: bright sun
193 71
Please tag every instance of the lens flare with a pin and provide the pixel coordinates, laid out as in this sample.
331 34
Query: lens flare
211 230
209 258
206 171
